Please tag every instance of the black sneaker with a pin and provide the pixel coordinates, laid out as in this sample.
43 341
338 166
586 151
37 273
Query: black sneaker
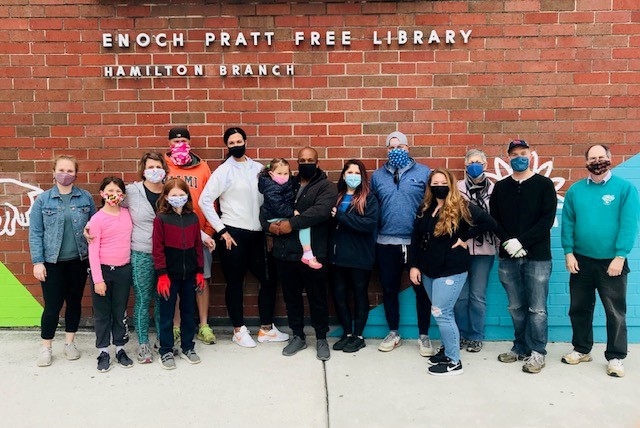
104 362
438 358
340 344
123 359
446 368
354 345
296 343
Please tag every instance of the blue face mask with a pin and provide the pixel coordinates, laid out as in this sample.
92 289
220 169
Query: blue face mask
177 201
475 170
353 180
520 163
398 158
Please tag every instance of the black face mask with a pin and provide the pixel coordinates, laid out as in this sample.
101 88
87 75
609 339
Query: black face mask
307 170
440 192
237 151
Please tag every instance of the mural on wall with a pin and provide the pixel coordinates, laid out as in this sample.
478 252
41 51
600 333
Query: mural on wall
13 217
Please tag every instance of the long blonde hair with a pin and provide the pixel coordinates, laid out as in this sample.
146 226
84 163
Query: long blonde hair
455 207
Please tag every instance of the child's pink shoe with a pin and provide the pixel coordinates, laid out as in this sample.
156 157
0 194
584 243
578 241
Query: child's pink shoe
313 263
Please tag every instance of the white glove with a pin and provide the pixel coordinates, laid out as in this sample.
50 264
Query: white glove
512 246
520 253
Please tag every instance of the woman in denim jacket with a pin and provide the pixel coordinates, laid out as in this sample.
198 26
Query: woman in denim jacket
59 253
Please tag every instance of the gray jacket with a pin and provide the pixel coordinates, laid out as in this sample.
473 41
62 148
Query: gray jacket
142 216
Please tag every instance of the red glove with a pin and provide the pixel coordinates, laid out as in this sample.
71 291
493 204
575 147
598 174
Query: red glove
163 286
200 282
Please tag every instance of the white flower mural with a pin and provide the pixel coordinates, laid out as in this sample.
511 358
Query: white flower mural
12 216
503 170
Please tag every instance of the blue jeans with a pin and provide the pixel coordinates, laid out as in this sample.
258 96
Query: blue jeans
471 306
443 293
527 285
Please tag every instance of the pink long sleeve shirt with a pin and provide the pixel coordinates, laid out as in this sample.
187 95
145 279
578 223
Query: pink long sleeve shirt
111 244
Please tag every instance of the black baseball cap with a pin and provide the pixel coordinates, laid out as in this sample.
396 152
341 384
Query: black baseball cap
179 133
517 143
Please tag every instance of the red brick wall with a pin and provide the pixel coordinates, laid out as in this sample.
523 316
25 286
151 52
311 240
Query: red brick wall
561 74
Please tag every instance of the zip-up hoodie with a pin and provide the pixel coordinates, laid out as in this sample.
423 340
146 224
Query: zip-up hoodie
399 202
314 205
142 216
177 246
353 236
196 175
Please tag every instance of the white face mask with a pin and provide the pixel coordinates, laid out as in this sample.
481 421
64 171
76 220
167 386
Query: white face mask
154 175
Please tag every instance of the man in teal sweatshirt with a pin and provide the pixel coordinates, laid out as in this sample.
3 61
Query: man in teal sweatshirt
599 228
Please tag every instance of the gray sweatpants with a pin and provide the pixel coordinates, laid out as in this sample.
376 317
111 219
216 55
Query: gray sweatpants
110 310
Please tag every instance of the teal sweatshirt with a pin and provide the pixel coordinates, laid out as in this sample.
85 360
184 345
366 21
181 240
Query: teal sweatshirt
600 220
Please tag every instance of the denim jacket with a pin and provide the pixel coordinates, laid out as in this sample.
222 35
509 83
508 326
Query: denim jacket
46 224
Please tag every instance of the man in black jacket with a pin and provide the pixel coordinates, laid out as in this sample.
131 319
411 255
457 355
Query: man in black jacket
524 206
315 196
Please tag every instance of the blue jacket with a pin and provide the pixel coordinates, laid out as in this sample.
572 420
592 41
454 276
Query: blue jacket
46 224
399 202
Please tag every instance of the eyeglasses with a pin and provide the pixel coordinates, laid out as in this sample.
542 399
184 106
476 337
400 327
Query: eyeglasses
396 177
599 158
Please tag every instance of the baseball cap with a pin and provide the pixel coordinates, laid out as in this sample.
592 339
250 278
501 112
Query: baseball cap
517 143
179 133
402 139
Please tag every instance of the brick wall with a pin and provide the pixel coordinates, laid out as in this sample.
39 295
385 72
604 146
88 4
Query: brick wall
561 74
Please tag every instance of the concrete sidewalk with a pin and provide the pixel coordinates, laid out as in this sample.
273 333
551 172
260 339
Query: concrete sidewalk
236 387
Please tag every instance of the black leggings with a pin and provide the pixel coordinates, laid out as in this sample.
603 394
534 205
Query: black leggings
358 280
250 254
64 283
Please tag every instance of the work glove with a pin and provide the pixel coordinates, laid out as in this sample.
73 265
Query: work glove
199 282
512 246
164 285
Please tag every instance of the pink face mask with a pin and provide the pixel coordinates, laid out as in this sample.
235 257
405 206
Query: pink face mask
180 154
280 179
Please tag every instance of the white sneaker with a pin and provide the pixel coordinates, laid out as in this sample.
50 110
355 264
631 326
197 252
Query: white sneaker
391 342
71 351
425 347
44 357
243 338
575 357
273 335
615 368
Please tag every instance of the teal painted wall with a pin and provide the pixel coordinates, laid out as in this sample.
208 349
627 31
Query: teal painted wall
498 324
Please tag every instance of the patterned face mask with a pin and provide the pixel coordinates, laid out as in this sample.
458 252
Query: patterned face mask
180 154
398 158
154 175
177 201
599 167
112 199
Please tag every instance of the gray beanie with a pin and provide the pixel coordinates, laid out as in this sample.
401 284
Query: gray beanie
399 135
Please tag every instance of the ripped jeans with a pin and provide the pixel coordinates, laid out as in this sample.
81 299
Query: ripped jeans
527 285
444 293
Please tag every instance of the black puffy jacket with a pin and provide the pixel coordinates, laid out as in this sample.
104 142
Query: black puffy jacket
314 205
278 198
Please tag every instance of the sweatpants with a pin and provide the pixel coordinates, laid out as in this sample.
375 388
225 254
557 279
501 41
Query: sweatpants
249 255
110 310
187 292
64 284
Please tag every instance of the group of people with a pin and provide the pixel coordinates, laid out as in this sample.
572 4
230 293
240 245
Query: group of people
158 234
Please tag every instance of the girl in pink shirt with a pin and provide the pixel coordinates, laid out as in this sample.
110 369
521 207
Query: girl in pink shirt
109 261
